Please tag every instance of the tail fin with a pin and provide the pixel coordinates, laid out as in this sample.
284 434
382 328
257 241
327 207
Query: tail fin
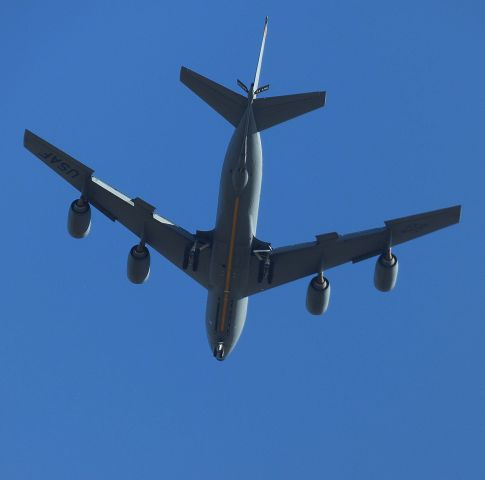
227 103
273 110
260 62
267 111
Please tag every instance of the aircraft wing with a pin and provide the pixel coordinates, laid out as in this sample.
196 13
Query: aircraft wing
331 249
170 240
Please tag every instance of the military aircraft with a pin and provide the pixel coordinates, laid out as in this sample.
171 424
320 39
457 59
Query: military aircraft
229 260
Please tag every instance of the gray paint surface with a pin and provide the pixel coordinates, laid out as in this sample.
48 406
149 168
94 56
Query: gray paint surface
229 261
236 223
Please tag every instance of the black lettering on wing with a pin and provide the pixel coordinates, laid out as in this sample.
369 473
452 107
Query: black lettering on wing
64 167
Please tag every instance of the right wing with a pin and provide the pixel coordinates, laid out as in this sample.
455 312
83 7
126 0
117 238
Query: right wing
168 239
330 250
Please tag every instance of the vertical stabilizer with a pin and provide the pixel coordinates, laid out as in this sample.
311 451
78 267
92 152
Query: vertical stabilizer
260 61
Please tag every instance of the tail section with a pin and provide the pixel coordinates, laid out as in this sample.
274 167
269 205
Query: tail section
268 112
227 103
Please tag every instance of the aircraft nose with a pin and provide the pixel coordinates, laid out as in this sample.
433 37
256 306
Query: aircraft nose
219 351
221 348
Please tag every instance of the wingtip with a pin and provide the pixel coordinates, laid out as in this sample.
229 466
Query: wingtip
27 134
456 210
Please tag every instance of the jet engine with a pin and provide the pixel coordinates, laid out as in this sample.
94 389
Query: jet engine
318 295
385 274
138 267
79 218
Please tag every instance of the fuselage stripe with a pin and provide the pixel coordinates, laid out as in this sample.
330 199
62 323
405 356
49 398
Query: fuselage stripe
227 284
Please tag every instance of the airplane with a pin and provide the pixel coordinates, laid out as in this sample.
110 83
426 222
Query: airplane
229 260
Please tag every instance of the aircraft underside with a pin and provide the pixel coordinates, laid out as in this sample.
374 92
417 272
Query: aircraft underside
230 262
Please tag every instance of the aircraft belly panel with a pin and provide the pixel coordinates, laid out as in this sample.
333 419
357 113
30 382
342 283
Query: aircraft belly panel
235 229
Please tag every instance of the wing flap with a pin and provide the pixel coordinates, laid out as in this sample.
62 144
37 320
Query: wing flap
139 217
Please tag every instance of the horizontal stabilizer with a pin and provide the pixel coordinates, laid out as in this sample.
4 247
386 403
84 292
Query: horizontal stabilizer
227 103
273 110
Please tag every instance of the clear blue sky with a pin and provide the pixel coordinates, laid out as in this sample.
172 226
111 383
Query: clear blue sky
103 379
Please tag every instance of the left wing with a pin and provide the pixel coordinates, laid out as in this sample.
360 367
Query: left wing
297 261
170 240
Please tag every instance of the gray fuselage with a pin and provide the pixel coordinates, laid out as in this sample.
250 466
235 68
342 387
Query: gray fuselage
236 221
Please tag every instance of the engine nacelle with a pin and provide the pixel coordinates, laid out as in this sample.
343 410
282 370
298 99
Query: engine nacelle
318 295
79 219
138 267
385 274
